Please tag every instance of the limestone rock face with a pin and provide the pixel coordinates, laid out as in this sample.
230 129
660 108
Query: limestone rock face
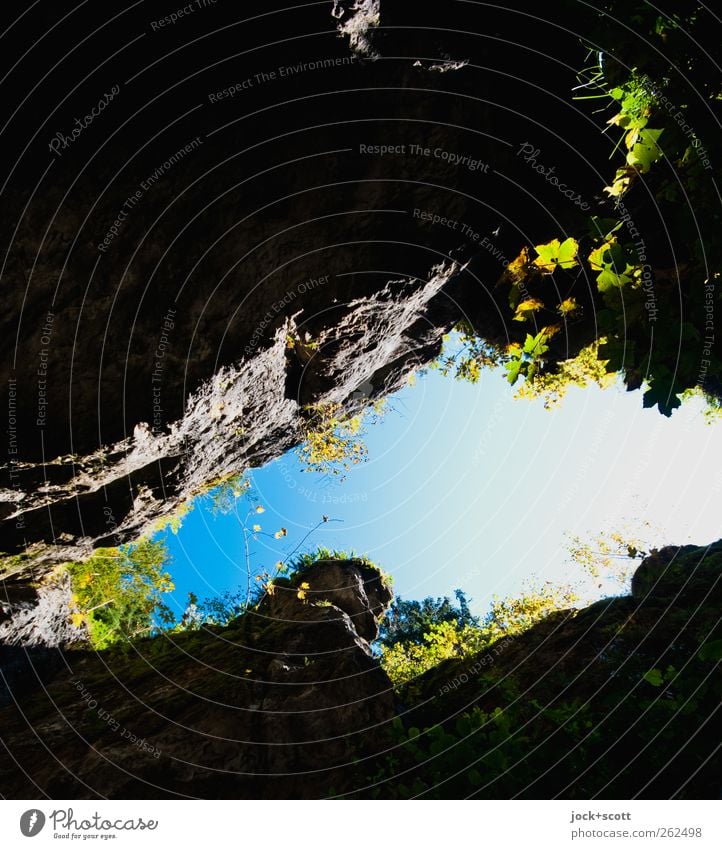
285 702
37 615
166 326
353 587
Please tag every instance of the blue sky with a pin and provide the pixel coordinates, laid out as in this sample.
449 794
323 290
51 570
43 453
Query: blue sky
467 487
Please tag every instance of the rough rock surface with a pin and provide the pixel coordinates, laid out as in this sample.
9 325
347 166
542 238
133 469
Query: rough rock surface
36 614
279 262
618 700
269 707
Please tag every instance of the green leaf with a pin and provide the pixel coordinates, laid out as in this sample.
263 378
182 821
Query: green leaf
567 257
603 228
512 368
608 279
711 651
474 777
555 254
646 151
534 345
654 677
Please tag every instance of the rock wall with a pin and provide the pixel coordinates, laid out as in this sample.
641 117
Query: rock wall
287 701
330 192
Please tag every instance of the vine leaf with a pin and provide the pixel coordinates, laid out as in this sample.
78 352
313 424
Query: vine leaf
711 651
534 345
644 152
568 306
526 308
654 677
665 400
556 254
513 367
611 261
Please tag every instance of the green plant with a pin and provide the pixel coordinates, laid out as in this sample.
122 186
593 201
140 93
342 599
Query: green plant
404 661
332 444
117 592
426 635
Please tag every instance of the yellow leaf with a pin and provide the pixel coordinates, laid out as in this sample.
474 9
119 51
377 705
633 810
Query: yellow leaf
517 266
551 330
568 306
305 585
301 594
526 308
595 257
270 589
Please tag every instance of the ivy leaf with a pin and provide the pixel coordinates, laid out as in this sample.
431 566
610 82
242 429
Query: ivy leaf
597 258
653 677
622 179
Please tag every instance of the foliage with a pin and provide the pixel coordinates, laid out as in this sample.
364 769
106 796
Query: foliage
331 444
404 661
118 592
302 562
173 522
712 411
464 354
508 617
590 710
613 555
408 621
420 635
223 493
584 369
217 610
653 255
